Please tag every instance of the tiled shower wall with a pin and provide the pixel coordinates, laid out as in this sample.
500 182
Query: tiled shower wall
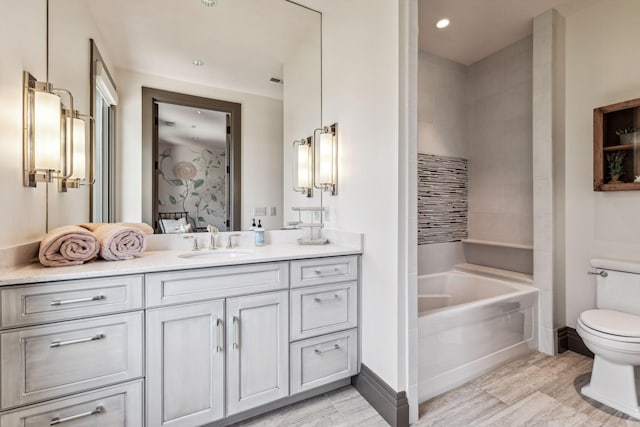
499 134
442 199
483 113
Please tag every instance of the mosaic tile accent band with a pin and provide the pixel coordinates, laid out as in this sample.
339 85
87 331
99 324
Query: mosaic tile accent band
442 199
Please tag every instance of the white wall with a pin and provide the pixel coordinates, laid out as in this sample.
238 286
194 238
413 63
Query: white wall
360 92
262 166
500 152
601 69
23 48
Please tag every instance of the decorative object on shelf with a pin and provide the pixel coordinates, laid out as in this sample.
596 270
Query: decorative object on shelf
315 227
628 135
615 166
616 146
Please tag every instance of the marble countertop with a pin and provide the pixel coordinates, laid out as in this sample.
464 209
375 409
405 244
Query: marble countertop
167 260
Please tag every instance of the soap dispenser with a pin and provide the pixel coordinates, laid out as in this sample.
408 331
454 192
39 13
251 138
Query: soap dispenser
259 234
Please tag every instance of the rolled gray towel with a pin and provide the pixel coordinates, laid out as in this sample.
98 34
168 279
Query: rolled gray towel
68 245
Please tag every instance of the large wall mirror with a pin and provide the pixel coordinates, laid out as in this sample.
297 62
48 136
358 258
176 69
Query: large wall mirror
263 56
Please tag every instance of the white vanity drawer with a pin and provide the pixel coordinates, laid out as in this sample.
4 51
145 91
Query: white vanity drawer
45 362
118 406
324 270
177 287
323 360
322 309
46 302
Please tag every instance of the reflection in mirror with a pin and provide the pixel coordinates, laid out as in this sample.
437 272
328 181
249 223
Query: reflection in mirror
192 168
262 54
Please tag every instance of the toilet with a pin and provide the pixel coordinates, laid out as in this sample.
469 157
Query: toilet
612 333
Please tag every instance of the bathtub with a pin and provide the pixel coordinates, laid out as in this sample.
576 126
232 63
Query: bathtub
469 324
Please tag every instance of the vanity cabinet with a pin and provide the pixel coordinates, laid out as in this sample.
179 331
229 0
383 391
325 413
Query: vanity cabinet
257 350
324 321
181 348
186 349
185 364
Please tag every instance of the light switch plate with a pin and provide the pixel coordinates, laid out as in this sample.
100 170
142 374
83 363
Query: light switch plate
261 211
272 211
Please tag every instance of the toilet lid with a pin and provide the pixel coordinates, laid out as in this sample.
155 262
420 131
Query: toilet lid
612 322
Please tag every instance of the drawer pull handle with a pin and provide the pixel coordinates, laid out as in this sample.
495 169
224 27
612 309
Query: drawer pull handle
236 332
319 272
75 301
220 327
55 421
335 347
78 341
319 300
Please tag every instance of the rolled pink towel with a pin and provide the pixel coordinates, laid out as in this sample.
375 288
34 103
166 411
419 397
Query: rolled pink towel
118 242
68 245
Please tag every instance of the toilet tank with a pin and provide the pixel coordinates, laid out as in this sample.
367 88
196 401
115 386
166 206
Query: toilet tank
620 289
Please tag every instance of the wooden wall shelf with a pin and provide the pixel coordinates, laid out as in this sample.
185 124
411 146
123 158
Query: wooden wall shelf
606 122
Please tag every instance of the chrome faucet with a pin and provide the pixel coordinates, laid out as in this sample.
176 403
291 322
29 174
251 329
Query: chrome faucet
195 242
230 241
213 230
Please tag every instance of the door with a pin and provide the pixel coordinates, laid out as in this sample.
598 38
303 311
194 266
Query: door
258 350
185 364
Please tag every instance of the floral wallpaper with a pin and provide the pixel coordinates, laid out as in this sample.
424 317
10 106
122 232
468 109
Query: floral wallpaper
192 179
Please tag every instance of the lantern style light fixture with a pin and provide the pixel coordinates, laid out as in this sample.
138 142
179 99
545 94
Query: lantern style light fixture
303 166
75 148
326 158
54 137
42 115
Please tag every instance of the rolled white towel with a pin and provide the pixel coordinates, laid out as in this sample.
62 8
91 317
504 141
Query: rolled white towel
68 245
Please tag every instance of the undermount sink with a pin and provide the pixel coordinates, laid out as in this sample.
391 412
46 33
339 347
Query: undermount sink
216 254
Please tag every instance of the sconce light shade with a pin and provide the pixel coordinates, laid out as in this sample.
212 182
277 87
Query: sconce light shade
46 131
41 139
79 148
303 166
326 168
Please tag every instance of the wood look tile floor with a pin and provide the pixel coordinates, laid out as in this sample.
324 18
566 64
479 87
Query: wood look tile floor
534 390
343 407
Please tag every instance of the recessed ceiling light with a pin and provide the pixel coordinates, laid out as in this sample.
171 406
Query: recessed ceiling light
198 63
443 23
209 3
199 112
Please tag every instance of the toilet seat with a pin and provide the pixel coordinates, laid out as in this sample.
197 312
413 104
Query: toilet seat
610 324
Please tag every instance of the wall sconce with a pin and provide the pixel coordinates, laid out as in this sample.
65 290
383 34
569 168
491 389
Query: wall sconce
326 158
303 166
54 138
74 137
41 113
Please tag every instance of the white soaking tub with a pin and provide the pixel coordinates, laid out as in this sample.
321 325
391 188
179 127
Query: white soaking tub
469 324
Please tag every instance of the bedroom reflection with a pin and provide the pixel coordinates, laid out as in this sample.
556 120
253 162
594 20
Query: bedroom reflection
192 180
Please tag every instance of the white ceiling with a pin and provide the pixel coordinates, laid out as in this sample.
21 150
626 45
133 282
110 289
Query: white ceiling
243 43
191 126
479 27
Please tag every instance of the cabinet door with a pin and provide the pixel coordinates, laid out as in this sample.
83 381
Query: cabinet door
257 351
185 364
